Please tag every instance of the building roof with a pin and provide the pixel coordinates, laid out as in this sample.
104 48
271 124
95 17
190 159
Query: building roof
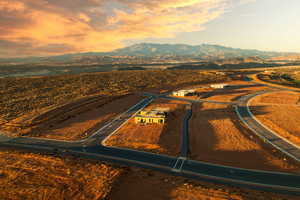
220 84
184 91
154 113
191 91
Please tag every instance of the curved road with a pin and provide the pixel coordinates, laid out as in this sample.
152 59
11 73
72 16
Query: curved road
91 148
267 135
279 182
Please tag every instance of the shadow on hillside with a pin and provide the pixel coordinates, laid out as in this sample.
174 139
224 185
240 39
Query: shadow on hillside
205 95
171 135
232 89
82 122
235 87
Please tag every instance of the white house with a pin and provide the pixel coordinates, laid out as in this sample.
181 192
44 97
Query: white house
182 93
219 86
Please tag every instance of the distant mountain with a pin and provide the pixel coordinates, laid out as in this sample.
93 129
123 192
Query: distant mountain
290 57
148 50
204 50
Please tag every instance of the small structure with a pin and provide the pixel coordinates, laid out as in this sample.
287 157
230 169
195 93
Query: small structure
183 93
219 86
154 116
220 73
268 72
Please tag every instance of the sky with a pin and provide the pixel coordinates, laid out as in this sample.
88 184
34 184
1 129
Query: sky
53 27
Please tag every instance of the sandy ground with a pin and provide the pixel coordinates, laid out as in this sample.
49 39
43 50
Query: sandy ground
228 94
281 111
232 93
139 184
82 124
217 136
157 138
31 176
281 98
26 176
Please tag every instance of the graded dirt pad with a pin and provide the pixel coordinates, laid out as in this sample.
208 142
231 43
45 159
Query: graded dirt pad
281 113
217 136
139 184
284 97
84 123
231 93
31 176
157 138
235 90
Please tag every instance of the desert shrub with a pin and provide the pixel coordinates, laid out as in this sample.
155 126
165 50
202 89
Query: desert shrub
23 95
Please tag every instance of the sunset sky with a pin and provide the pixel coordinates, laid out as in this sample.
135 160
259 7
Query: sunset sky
50 27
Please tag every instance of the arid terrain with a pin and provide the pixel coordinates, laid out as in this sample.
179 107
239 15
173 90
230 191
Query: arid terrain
287 78
74 124
19 96
234 90
281 111
32 176
149 100
22 100
138 184
158 138
216 136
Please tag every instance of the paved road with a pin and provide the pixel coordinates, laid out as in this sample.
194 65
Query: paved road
91 148
3 138
114 125
280 182
195 100
185 147
271 85
95 138
262 131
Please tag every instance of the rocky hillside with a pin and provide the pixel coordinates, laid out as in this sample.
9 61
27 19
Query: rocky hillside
145 51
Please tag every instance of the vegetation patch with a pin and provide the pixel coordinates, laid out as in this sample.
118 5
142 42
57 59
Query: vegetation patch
283 77
33 176
19 96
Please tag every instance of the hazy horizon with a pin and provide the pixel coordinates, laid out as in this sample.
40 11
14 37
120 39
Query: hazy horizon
45 28
153 43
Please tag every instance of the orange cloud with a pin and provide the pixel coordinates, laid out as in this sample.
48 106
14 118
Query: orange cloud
96 25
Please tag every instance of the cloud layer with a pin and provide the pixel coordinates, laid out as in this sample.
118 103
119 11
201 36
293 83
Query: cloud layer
47 27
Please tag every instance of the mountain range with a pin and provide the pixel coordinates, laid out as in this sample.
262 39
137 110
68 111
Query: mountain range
204 50
148 50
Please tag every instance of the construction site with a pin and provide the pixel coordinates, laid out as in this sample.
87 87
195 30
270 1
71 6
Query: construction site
202 124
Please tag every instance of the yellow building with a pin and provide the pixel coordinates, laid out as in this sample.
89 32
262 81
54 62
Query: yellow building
151 117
